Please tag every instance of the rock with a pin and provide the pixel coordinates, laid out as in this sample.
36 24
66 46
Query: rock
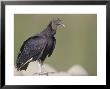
17 73
33 69
77 70
59 74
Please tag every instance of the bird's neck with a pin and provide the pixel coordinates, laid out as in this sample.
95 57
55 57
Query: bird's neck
49 31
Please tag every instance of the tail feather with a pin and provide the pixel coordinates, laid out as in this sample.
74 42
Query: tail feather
22 65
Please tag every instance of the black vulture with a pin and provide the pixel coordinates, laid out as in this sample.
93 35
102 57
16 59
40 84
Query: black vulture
39 46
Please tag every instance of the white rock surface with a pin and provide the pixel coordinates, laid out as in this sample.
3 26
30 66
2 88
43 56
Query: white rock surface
33 70
77 70
17 73
59 74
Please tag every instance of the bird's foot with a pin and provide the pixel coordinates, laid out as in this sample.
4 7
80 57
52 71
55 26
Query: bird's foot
43 73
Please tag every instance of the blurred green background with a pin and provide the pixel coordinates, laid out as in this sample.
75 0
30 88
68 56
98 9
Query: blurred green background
75 44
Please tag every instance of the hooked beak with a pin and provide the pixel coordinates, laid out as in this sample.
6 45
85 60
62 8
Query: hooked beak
63 25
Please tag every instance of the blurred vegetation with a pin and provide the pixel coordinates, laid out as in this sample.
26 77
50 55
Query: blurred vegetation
75 44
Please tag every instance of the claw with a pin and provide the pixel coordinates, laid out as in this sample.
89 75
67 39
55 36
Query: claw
45 73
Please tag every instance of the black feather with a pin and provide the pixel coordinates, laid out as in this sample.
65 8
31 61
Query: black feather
37 47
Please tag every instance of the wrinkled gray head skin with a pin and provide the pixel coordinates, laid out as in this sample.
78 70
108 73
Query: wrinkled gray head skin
56 23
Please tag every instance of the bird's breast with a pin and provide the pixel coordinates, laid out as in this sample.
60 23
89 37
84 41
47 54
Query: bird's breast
49 43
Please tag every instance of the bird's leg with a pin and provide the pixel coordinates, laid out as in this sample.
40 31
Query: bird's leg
41 67
41 71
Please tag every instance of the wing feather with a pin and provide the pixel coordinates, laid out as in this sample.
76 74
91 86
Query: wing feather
30 48
53 47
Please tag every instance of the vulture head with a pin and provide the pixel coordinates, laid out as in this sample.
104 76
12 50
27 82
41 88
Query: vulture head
56 23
